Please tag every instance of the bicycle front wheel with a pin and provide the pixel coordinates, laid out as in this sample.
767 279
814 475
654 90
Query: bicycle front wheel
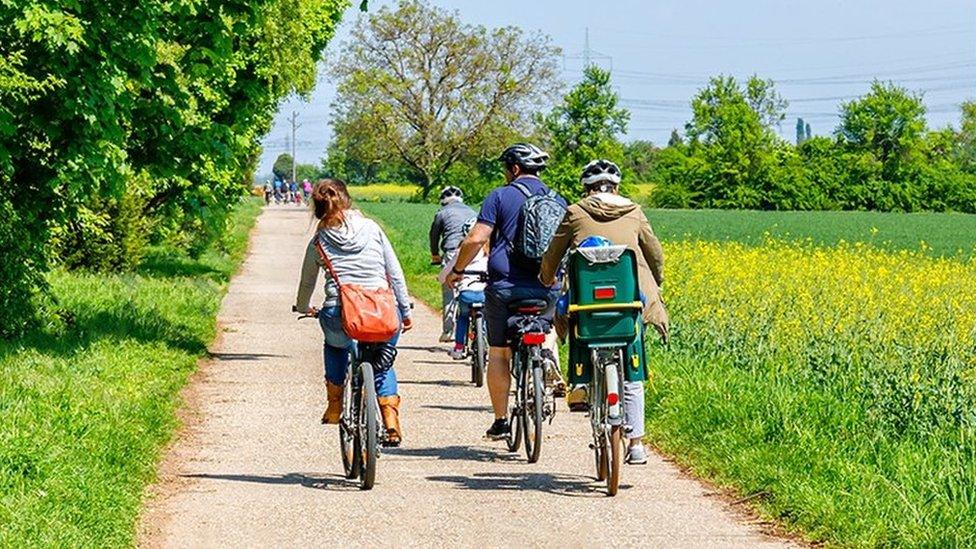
532 411
368 428
615 459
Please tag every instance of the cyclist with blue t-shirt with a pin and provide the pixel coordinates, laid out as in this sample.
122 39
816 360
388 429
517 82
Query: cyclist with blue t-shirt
509 280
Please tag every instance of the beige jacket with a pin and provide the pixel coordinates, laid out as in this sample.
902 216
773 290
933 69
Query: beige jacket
621 221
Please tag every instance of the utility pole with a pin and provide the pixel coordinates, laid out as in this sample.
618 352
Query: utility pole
294 127
589 56
586 49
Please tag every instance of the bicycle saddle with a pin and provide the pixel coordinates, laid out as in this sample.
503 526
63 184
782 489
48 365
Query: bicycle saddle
528 306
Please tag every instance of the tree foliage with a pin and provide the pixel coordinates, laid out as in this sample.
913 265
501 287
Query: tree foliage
418 85
155 107
585 126
882 156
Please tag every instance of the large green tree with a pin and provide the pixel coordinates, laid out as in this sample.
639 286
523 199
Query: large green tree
585 126
888 123
730 131
153 107
419 85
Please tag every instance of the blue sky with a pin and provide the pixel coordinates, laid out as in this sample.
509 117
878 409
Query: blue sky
820 53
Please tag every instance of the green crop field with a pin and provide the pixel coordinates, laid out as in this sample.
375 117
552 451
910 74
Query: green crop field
87 405
821 364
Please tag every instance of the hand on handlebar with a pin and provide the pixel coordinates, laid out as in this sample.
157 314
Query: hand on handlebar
312 312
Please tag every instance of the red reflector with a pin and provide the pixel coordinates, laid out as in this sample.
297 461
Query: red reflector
534 338
606 292
613 399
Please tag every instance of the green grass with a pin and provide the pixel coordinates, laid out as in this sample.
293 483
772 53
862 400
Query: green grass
943 234
87 407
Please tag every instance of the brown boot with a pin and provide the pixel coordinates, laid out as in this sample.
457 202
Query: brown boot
390 409
334 410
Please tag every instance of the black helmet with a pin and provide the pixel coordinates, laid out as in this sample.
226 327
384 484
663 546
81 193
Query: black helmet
450 192
600 171
525 155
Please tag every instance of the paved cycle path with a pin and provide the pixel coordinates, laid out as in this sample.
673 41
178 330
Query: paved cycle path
253 466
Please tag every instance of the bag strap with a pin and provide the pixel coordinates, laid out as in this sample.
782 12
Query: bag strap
325 260
523 188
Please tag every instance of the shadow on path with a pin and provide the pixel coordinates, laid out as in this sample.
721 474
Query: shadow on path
242 356
437 382
308 480
429 349
458 453
560 485
458 407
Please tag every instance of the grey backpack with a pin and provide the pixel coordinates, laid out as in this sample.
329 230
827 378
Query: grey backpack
539 217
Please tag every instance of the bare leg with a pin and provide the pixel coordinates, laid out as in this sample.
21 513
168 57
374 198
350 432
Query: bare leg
499 379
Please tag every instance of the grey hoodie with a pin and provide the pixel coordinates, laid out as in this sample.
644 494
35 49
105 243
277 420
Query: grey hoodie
360 254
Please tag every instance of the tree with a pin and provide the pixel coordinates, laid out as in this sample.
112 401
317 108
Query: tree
675 140
733 144
585 126
639 159
282 166
800 134
809 134
117 110
418 82
887 123
763 98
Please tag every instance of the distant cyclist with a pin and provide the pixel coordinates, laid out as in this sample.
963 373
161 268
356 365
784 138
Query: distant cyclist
470 290
510 279
361 254
268 191
445 236
604 213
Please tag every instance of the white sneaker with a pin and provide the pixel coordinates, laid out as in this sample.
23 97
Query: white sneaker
447 338
637 455
457 354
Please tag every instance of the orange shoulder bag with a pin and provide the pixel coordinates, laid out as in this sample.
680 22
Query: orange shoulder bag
368 315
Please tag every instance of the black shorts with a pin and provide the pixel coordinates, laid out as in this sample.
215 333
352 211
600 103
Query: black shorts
496 309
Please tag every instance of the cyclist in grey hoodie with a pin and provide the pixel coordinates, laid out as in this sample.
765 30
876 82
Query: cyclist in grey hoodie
360 254
446 234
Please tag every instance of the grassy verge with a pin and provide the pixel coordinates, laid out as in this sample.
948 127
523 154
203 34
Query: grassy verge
87 408
832 379
407 225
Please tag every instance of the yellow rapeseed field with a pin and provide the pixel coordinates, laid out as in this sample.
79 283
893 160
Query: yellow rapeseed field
838 382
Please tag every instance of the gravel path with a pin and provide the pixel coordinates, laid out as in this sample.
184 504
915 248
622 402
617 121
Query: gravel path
253 466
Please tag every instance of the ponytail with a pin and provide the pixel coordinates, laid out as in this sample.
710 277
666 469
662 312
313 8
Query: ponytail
330 199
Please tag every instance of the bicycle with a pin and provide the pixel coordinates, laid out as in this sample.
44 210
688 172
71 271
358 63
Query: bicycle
476 340
605 346
360 433
534 401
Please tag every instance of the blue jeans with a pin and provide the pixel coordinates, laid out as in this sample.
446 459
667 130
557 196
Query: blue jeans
465 299
337 348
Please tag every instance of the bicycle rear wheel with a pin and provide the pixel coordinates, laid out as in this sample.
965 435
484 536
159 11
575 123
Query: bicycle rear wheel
368 428
348 441
532 411
480 353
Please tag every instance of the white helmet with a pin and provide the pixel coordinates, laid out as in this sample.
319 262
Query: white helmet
600 171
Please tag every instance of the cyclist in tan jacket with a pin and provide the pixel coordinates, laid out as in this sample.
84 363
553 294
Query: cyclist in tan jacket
603 212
